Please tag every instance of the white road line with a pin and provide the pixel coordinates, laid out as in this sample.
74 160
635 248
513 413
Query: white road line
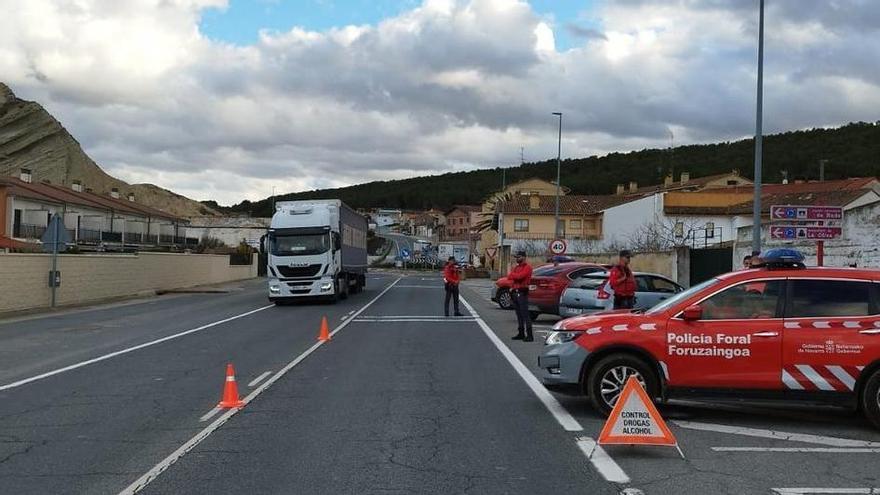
820 450
777 435
259 379
419 287
129 349
603 463
210 414
415 320
807 491
159 468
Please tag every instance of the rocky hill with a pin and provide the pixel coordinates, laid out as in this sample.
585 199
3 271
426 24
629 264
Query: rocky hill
31 138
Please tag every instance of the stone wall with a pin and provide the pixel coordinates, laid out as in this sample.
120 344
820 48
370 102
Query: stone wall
88 278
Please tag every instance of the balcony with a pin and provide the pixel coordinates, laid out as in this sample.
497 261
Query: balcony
548 236
28 231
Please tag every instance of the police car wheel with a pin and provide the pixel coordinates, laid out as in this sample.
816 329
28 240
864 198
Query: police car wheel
871 398
607 378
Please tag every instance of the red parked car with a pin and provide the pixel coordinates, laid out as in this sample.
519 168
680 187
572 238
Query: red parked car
548 283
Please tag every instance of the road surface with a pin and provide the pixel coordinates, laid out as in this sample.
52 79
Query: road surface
120 398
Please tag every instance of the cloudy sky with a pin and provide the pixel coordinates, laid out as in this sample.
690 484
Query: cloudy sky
224 99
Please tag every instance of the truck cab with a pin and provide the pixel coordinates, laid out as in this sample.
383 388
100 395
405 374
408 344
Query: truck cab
315 248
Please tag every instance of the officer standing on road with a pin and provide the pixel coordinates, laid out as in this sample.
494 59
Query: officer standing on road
521 277
451 278
623 282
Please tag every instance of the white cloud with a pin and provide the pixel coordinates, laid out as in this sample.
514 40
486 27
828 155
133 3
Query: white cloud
449 85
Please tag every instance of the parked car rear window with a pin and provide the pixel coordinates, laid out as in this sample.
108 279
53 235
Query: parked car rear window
589 283
812 298
548 270
663 285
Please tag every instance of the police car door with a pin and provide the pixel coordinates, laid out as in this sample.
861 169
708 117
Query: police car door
737 344
831 333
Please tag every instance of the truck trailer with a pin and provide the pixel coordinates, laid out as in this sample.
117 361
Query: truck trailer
315 248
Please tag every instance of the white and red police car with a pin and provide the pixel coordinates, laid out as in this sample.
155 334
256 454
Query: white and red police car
779 331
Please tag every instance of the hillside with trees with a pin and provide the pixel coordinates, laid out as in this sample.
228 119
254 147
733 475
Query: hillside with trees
852 150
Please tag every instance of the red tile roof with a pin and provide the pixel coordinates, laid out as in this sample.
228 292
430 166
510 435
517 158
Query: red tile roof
568 205
62 195
768 199
696 182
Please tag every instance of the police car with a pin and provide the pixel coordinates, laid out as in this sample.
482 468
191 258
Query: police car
778 331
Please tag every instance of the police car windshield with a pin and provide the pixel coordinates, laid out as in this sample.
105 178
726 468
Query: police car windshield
681 296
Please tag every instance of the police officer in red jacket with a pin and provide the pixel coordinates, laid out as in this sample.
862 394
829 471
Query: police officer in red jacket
520 277
623 282
451 277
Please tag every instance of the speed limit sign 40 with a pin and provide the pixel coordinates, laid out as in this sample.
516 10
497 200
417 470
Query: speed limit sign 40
558 246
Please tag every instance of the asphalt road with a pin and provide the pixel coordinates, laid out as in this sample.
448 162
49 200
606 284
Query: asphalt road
401 400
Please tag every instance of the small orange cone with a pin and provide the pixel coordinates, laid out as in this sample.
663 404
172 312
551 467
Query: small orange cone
324 334
230 391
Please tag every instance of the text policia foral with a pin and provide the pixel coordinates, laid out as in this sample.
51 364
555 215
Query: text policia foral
708 345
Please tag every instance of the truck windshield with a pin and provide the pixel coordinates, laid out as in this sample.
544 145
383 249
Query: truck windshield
296 245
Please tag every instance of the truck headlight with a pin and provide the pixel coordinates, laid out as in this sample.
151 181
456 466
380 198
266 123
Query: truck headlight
326 286
561 337
274 289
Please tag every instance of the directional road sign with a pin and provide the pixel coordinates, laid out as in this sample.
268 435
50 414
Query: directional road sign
793 232
405 254
803 213
558 246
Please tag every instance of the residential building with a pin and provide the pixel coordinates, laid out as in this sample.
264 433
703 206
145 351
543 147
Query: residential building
90 219
687 212
384 218
461 223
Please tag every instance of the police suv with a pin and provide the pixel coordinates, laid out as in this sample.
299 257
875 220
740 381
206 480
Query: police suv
779 331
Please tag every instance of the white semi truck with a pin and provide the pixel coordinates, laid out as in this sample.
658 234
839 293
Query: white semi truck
315 248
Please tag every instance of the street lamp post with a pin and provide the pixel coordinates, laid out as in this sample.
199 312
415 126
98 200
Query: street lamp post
759 139
558 171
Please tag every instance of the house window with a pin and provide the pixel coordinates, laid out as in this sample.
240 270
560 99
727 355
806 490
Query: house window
574 224
521 225
732 182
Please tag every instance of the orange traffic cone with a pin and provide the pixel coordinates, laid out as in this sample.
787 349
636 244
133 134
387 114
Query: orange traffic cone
324 334
230 391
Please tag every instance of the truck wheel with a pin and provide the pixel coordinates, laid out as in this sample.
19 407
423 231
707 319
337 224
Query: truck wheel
505 301
343 287
871 398
606 379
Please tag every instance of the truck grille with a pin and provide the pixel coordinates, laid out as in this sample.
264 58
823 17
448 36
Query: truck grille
299 271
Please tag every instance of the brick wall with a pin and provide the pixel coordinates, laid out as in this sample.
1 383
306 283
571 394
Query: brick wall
87 278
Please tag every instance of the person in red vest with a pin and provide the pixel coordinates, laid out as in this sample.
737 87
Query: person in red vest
623 282
520 277
451 277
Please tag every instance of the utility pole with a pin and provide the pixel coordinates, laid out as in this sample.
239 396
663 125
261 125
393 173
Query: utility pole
558 171
822 170
759 132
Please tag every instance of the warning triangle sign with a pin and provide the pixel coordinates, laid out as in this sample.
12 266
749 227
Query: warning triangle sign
635 421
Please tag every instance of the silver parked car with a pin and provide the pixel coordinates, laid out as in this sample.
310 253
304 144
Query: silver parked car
591 293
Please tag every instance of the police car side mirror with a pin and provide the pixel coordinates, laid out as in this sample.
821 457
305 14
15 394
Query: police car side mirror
692 313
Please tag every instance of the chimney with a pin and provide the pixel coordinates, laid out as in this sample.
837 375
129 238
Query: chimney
667 181
685 177
77 186
534 202
114 193
633 185
25 175
131 197
619 190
